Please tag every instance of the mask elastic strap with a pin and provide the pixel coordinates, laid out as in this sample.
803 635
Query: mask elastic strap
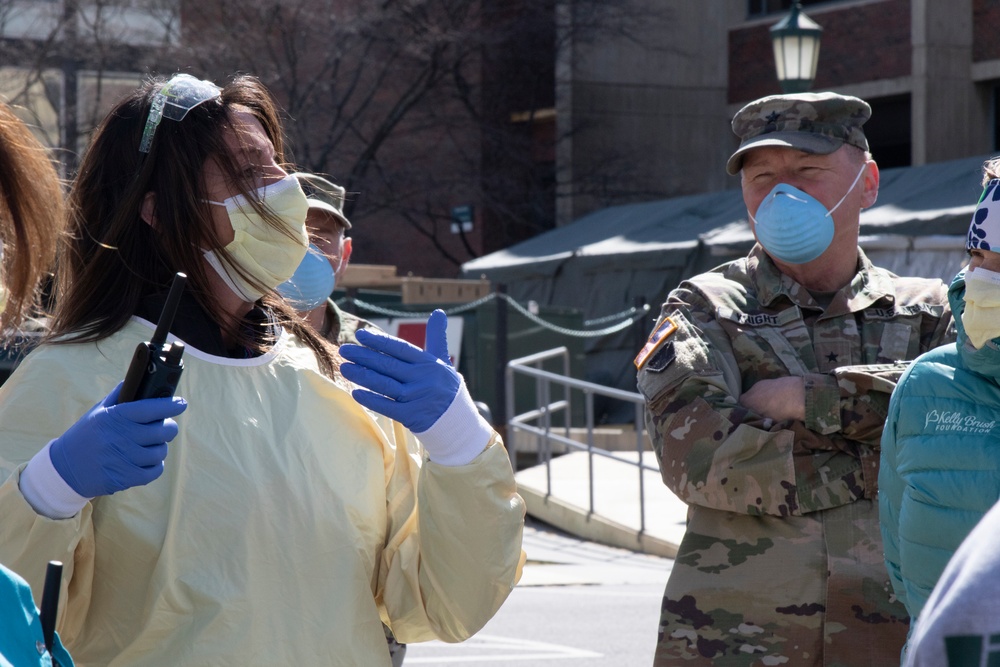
216 263
278 186
856 178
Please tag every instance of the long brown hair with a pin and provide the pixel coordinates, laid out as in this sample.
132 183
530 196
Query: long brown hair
112 259
32 216
991 170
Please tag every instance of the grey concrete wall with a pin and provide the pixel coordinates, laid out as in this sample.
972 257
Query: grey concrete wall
647 119
951 115
650 117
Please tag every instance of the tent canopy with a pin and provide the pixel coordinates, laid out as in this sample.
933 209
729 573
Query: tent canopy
934 199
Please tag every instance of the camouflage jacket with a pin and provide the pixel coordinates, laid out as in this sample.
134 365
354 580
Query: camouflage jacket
782 559
339 326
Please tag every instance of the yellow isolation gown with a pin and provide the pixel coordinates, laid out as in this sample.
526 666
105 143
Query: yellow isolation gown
289 520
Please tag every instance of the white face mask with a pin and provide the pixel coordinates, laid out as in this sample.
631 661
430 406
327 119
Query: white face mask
267 255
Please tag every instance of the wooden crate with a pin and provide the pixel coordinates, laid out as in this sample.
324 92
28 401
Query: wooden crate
370 275
443 290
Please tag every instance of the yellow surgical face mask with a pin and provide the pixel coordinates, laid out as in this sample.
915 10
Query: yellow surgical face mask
981 318
267 254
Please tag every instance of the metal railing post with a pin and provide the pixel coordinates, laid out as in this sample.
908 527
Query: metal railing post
538 421
589 398
510 437
501 349
567 393
642 480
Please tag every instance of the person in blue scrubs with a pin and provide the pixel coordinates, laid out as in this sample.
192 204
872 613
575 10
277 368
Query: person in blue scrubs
21 640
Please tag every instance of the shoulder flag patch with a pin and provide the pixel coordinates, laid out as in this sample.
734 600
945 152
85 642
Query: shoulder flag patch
656 339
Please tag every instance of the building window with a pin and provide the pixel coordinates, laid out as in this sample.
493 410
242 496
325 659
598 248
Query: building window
889 131
996 117
757 8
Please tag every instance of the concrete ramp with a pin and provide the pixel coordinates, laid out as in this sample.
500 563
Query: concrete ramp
615 520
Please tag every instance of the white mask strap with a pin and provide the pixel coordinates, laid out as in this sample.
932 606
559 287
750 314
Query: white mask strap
286 181
856 178
215 262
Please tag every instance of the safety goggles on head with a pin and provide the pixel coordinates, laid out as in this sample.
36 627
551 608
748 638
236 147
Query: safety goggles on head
178 96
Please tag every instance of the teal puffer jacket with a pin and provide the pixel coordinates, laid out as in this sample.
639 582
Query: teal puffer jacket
940 468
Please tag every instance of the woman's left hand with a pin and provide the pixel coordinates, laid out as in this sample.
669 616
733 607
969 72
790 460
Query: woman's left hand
410 385
420 389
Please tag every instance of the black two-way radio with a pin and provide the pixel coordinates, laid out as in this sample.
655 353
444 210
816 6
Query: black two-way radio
50 605
156 365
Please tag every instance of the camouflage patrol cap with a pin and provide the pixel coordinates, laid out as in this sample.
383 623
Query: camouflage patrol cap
324 196
811 122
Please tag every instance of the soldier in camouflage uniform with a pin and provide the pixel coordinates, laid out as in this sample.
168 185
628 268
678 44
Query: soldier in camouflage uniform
327 231
767 382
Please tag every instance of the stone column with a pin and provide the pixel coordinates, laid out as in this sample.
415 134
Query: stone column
950 114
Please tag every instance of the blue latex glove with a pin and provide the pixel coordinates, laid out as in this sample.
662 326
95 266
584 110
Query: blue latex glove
115 447
411 386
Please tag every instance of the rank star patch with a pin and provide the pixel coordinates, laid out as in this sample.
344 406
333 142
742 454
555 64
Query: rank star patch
665 329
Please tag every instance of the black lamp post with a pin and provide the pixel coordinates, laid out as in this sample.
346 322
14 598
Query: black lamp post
796 50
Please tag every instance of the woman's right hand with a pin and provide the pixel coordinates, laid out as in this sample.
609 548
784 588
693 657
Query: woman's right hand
114 447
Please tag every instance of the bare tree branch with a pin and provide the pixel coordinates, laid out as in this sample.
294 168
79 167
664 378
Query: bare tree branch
409 104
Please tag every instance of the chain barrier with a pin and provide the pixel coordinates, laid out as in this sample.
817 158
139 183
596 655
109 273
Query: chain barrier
627 317
389 312
574 332
616 316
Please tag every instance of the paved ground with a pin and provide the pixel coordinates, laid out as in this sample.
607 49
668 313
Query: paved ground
561 497
591 589
578 603
558 559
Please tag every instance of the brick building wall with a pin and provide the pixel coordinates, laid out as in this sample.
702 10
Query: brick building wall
860 43
985 27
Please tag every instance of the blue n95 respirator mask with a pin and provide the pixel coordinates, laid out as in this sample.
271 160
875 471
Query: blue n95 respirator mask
793 226
312 283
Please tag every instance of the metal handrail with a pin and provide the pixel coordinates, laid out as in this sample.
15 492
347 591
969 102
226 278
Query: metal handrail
530 366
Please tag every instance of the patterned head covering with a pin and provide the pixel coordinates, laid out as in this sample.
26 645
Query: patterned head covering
811 122
984 231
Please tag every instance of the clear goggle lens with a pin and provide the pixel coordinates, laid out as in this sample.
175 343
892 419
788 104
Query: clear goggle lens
178 96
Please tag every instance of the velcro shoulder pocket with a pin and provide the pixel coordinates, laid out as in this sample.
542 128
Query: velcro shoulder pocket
681 354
